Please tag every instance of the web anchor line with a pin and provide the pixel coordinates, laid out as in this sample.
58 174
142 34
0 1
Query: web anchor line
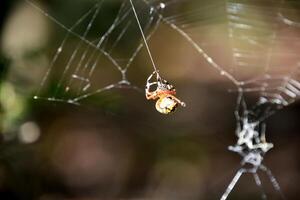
144 38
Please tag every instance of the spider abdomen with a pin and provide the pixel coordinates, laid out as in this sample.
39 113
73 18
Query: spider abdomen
166 104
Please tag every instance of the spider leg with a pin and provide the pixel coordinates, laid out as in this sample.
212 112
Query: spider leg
238 117
273 181
150 77
259 184
263 133
151 95
178 101
232 184
148 85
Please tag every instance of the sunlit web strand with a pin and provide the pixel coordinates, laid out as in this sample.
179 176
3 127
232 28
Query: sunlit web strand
197 17
70 32
99 44
143 35
120 18
124 81
264 87
209 59
269 56
197 47
97 48
261 85
59 50
121 35
78 46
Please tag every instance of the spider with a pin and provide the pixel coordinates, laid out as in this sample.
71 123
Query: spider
164 94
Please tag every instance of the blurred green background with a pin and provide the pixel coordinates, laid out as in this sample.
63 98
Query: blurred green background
116 146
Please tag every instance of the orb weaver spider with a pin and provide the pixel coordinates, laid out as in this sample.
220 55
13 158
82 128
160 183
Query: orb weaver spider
164 94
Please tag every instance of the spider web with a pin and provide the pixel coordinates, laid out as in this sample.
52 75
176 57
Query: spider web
93 50
264 42
262 38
